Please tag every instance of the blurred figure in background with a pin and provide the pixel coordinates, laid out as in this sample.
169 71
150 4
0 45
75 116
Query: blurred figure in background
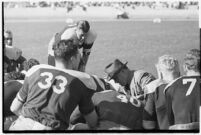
155 112
183 95
13 58
83 36
8 38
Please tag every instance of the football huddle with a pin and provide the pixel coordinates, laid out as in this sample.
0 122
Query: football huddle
61 96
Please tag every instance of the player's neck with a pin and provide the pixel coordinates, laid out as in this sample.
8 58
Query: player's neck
63 66
169 78
192 73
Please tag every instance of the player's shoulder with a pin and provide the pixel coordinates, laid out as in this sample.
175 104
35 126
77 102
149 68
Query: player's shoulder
91 36
173 83
141 73
68 33
152 86
100 81
34 69
85 78
191 77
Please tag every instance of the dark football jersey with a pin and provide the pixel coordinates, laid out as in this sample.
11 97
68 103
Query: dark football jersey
51 94
155 108
118 108
11 89
183 100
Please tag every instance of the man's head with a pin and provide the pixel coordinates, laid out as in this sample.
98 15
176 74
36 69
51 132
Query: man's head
8 38
118 72
67 53
82 28
192 61
30 63
168 65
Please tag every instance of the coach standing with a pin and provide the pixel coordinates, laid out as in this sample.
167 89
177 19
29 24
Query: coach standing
83 37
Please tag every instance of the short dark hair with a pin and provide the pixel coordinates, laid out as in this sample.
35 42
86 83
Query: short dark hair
30 63
84 25
192 60
65 49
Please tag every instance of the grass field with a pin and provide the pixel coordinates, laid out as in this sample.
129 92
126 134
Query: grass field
138 42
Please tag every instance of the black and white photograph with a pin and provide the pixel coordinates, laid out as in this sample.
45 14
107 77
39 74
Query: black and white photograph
100 66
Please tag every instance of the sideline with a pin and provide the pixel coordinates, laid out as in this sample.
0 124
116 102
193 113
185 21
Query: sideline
98 20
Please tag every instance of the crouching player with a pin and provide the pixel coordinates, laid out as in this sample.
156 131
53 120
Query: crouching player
50 94
116 111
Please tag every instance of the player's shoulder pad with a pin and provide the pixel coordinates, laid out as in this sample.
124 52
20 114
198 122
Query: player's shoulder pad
85 78
91 37
13 81
151 87
100 82
20 81
106 91
34 69
171 83
138 74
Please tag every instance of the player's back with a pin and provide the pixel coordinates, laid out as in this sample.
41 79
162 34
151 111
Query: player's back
183 97
54 93
121 109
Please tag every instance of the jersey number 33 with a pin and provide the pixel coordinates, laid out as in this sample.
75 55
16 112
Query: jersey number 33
48 78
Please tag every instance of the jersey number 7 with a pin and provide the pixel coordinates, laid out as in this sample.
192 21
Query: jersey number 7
61 86
190 89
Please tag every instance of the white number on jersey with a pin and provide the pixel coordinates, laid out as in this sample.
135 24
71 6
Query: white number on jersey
193 82
132 100
61 86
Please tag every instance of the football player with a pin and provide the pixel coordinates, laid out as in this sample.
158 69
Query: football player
155 112
13 83
11 88
82 34
50 94
183 95
116 111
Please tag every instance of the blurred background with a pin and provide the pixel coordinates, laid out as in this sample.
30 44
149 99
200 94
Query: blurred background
137 31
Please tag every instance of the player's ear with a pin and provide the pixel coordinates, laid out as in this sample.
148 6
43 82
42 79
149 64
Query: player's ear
185 68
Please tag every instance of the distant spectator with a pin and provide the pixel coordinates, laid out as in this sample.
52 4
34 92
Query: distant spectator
8 38
13 55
